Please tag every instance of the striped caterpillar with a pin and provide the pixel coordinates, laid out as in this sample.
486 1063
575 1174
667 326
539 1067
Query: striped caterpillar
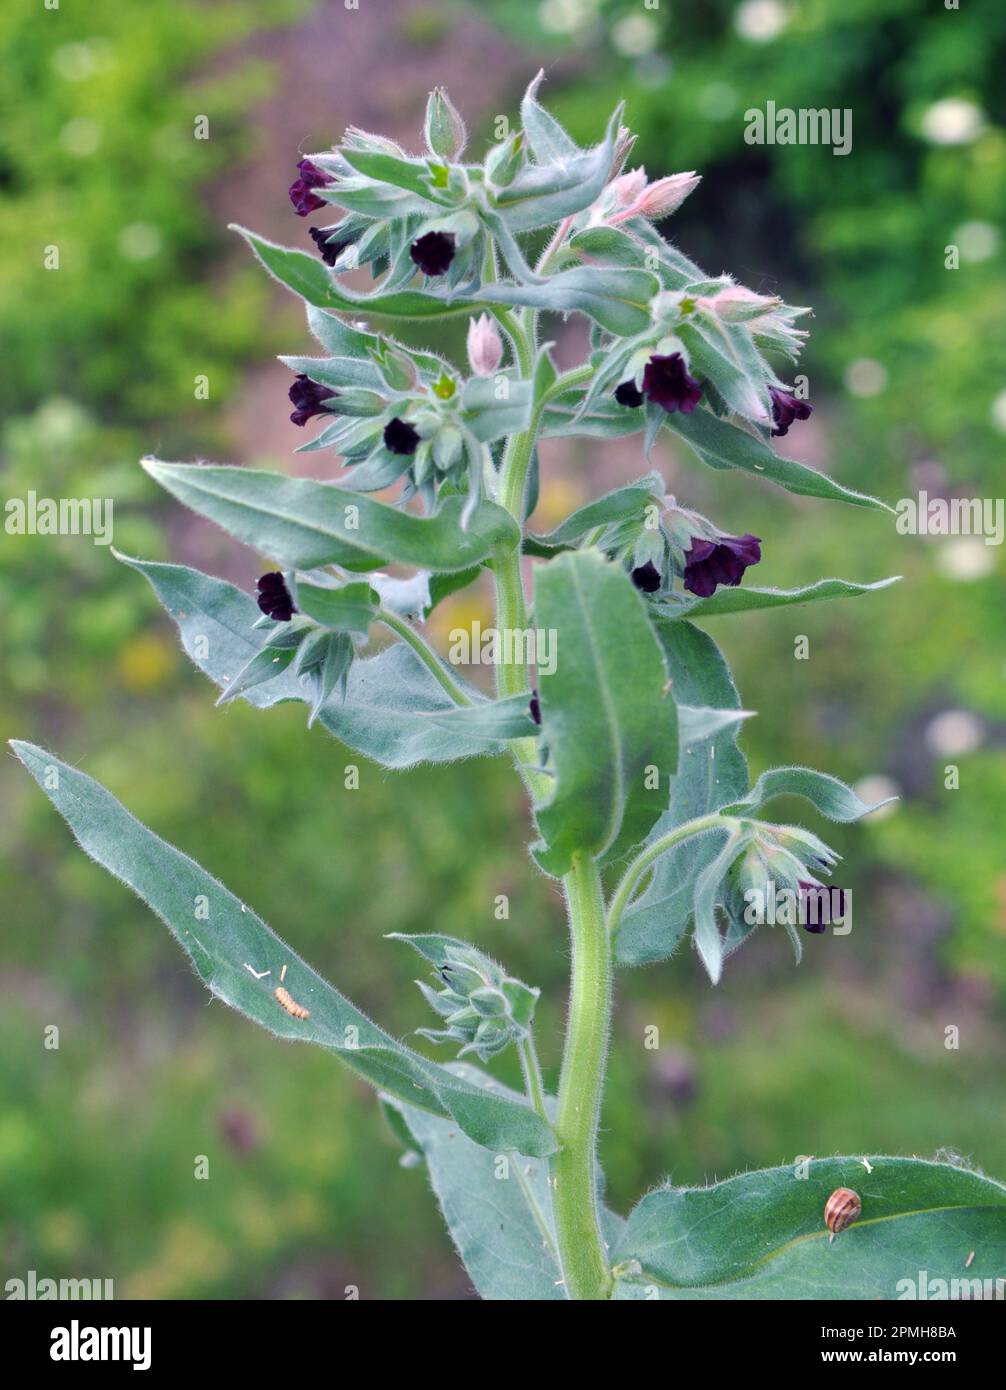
286 1001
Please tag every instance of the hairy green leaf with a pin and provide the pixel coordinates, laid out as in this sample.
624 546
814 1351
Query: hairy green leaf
384 713
491 720
305 524
609 722
623 504
742 599
761 1235
723 445
243 963
710 772
309 278
830 796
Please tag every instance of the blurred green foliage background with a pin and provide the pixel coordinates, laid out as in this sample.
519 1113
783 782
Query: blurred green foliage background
907 365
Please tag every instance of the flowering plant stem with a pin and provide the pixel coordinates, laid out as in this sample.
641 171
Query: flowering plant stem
585 1265
628 744
582 1257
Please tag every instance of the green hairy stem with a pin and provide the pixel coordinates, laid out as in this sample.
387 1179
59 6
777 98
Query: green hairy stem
582 1253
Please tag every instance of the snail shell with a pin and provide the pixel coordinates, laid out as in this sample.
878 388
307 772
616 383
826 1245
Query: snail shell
841 1209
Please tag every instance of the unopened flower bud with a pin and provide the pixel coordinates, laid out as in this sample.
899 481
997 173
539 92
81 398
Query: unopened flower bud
446 135
735 304
485 346
666 195
627 188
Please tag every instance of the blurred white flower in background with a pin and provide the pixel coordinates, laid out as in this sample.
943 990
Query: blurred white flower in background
566 16
999 412
878 788
760 20
978 241
80 136
77 61
635 35
965 557
865 377
954 732
140 241
952 121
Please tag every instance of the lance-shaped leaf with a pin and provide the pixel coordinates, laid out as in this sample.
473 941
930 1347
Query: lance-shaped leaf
309 278
711 772
712 357
499 1214
242 962
697 723
544 193
706 933
927 1230
388 696
605 418
343 608
338 372
491 720
609 722
549 142
723 445
830 796
623 504
742 599
304 524
413 175
494 406
616 299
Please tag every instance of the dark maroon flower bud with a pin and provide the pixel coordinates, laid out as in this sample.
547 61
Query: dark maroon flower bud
723 561
820 906
330 251
274 597
301 195
400 437
628 393
666 381
308 398
646 577
535 707
786 408
434 252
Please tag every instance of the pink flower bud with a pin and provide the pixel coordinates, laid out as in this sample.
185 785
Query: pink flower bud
735 304
485 346
667 194
627 188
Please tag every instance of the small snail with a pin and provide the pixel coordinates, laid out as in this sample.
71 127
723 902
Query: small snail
840 1210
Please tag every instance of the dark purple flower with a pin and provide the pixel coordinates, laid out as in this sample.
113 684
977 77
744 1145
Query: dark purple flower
723 561
535 707
820 906
274 597
646 577
666 381
400 437
433 252
786 408
304 200
308 397
330 251
628 393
